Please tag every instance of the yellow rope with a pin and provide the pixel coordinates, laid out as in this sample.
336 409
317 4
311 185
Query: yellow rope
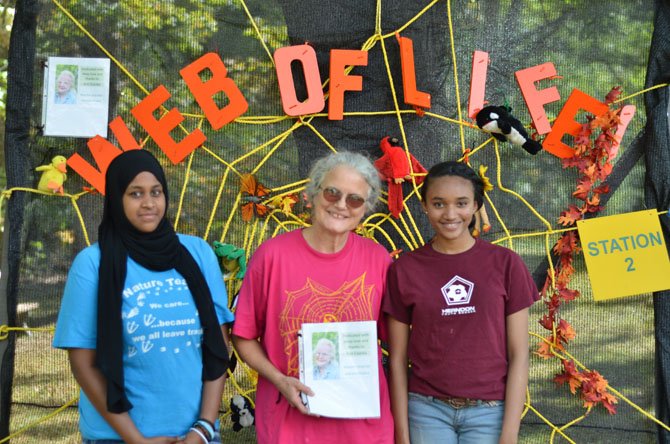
281 136
626 98
42 419
270 153
549 423
258 31
6 329
517 195
414 192
564 355
456 86
183 190
261 120
568 425
396 106
73 199
320 136
102 48
217 200
413 19
414 244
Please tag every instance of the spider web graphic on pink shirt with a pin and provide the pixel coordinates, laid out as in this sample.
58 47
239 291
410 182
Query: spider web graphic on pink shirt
316 303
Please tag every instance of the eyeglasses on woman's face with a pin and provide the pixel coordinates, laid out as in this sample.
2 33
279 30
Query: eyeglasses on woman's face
333 195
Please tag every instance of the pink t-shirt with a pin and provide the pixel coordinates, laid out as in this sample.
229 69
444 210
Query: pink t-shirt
457 305
287 284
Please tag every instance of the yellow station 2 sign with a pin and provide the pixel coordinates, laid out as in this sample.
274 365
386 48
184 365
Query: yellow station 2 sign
625 254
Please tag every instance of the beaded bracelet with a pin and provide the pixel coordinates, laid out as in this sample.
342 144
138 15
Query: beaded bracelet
206 425
200 434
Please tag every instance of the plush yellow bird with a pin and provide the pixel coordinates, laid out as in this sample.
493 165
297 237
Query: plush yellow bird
53 175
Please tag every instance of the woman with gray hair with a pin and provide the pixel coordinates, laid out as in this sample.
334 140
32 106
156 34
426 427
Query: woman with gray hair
65 92
325 365
322 273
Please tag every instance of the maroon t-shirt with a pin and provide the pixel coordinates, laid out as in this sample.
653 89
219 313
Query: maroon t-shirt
457 305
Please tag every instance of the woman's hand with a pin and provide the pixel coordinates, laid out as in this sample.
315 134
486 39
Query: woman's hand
191 438
252 353
159 440
291 388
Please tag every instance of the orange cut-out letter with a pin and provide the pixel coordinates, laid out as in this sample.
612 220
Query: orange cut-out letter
412 96
103 153
535 100
566 124
159 129
123 134
306 55
341 82
204 92
480 65
625 116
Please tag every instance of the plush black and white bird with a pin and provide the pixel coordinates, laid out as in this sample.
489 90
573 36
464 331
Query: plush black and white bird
497 121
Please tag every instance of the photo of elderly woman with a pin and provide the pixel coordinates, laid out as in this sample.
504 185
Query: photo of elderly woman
325 360
65 93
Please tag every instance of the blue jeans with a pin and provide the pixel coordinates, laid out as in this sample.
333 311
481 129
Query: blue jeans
216 440
434 421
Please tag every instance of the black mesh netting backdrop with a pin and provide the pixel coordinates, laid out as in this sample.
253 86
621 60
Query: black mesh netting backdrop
594 46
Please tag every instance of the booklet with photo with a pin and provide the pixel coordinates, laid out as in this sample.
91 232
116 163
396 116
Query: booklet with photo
338 361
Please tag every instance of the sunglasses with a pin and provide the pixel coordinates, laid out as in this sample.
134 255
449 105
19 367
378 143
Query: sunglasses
333 195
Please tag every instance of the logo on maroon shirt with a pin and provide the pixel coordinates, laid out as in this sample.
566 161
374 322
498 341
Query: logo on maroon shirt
457 291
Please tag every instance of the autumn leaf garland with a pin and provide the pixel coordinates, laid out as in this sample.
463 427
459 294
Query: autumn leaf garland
595 148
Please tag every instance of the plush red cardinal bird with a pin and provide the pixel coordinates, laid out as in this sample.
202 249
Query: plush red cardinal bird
393 167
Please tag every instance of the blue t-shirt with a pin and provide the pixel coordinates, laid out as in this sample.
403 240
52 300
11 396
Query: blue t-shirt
162 357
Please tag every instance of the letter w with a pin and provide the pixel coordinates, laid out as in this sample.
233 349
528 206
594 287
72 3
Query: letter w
103 152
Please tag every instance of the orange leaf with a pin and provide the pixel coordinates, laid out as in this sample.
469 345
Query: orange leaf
608 403
564 275
593 204
605 171
284 203
565 244
547 322
544 349
602 189
590 171
600 383
570 217
584 185
553 303
584 135
569 375
565 331
567 294
613 95
610 407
